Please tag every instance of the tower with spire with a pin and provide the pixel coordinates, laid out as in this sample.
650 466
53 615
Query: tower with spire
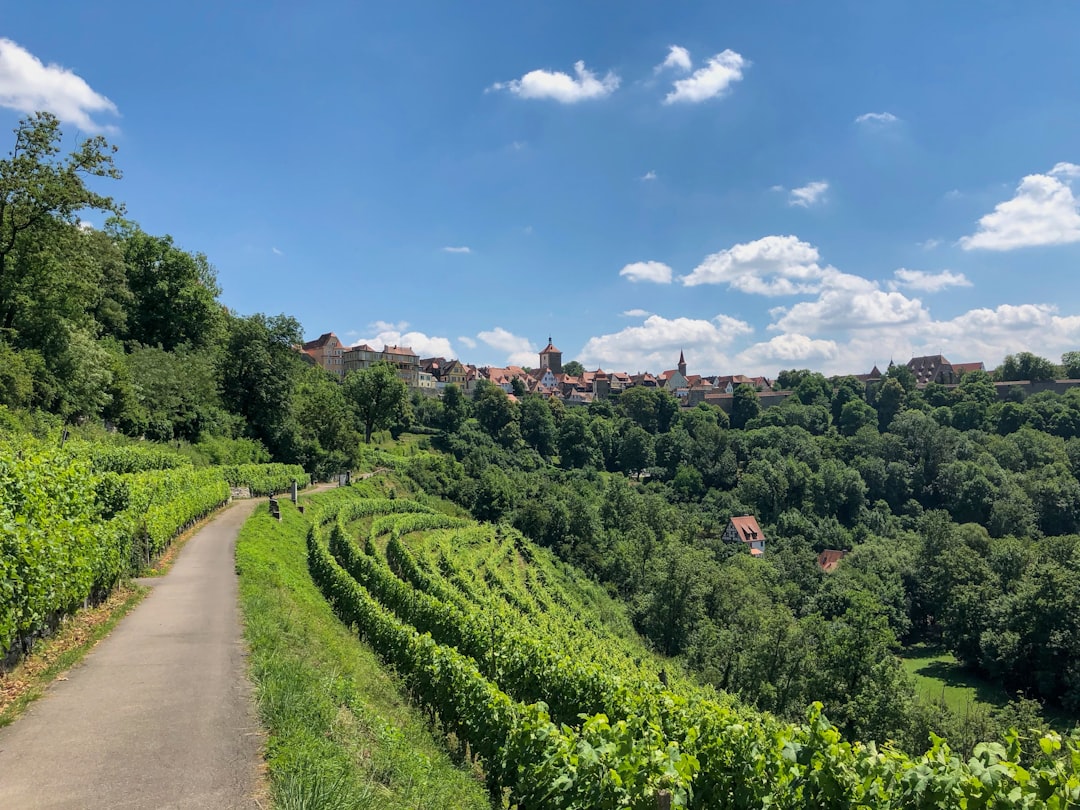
682 363
551 358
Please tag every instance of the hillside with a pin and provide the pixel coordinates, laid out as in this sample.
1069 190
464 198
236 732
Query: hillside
531 668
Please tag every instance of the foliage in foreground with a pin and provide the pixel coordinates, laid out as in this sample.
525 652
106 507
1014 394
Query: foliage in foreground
707 754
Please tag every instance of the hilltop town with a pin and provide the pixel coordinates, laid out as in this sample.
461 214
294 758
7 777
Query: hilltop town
553 379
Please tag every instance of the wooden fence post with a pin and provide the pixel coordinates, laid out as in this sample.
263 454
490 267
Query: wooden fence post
663 800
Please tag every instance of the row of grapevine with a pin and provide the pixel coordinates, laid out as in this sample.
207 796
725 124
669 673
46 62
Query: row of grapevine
52 550
126 458
74 521
729 757
602 765
265 479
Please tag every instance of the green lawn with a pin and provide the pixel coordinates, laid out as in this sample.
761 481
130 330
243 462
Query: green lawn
938 675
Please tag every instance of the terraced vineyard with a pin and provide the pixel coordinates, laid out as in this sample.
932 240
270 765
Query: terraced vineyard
562 708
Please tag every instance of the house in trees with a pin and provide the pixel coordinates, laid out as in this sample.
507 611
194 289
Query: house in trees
829 559
404 359
326 351
745 529
446 372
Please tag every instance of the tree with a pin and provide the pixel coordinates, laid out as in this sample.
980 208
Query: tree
175 292
576 444
455 409
854 415
36 187
538 425
1025 366
890 401
573 368
378 394
258 370
495 412
636 450
328 439
654 409
1071 362
744 406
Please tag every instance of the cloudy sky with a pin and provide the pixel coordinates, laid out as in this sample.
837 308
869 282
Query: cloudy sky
764 185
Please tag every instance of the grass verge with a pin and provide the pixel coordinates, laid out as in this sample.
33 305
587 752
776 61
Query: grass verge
59 653
341 733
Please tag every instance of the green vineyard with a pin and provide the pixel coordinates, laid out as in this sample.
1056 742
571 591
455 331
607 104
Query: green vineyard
74 521
507 650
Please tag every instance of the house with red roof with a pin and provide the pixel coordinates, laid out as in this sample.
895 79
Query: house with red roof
745 529
829 559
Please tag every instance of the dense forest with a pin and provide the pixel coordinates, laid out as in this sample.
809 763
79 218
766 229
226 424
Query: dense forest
125 327
960 514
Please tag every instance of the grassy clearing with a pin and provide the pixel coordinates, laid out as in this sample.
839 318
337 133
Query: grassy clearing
939 676
52 657
341 734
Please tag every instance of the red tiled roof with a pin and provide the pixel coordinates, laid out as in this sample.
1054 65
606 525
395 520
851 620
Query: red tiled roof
320 341
830 558
964 368
398 350
747 527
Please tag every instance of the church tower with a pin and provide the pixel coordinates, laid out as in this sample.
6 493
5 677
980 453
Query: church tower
551 358
682 363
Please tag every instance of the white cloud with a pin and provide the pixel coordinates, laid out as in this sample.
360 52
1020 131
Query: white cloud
1042 212
461 249
1065 170
808 195
733 326
929 244
927 282
85 226
519 350
655 345
391 334
388 326
28 85
561 86
877 119
649 175
784 350
847 308
711 81
276 251
772 265
636 313
657 272
979 334
468 342
678 57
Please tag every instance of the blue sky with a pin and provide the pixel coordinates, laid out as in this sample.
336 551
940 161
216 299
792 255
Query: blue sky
763 185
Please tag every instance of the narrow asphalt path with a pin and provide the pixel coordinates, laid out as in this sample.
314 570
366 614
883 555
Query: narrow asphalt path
160 714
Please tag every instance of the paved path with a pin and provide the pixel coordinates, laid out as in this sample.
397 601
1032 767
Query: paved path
160 713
